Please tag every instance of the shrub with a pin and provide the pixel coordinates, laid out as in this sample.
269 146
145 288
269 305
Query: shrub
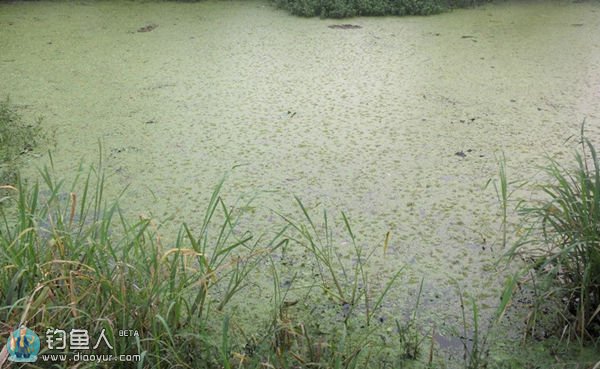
372 7
350 8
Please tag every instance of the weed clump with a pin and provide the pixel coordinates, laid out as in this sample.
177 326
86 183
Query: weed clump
562 240
72 260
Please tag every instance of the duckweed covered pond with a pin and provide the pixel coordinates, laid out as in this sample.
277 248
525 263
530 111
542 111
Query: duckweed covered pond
399 121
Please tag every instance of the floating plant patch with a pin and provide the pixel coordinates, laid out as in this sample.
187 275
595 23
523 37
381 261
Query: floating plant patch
148 28
344 26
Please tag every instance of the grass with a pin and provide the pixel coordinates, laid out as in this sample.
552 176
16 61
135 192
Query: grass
409 336
347 285
561 243
71 259
75 262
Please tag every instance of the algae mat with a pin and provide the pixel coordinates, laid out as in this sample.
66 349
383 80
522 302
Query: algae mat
397 121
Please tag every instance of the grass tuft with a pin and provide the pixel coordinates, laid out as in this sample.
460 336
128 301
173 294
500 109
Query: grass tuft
562 241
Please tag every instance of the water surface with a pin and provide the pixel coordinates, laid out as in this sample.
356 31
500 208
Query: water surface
398 123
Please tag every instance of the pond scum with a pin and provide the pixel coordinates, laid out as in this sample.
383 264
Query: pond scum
76 262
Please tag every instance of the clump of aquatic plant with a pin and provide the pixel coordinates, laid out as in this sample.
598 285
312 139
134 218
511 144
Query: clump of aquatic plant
304 330
291 341
410 338
477 340
562 240
476 349
72 260
348 285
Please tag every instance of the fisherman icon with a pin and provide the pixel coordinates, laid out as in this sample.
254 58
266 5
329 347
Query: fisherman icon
23 345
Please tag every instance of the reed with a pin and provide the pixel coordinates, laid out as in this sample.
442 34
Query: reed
348 285
561 241
72 259
570 226
76 261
